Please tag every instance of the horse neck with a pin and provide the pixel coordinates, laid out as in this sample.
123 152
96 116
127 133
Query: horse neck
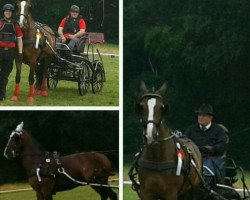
31 154
30 22
29 30
161 151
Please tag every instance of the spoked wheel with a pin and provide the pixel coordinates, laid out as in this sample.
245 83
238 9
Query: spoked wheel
52 79
83 79
97 77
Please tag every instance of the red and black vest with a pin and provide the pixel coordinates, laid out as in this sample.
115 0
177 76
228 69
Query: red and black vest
7 31
72 25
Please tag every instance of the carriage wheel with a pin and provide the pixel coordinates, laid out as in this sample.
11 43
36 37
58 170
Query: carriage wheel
52 78
83 79
97 77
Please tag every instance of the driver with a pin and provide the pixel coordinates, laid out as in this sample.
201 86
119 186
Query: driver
10 33
72 28
212 140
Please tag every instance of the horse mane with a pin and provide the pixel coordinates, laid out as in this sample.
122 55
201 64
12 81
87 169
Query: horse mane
34 143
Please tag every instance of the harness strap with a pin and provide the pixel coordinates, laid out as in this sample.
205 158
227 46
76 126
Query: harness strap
157 166
62 171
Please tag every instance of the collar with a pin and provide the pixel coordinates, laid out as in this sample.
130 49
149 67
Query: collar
7 20
206 127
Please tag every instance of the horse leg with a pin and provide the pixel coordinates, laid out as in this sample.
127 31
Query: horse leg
48 197
105 193
31 81
47 61
39 196
112 195
39 77
18 79
146 196
171 196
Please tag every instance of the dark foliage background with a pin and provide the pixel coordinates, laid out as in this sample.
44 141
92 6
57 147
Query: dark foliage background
201 48
63 131
52 12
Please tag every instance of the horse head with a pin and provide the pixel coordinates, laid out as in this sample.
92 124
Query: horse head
14 144
151 108
23 11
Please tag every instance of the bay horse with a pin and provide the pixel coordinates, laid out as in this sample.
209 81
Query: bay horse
89 167
163 153
33 52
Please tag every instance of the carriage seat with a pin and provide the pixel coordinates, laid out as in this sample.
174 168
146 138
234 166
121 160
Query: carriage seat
64 51
230 176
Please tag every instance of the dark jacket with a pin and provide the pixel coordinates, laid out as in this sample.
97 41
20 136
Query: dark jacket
215 136
72 25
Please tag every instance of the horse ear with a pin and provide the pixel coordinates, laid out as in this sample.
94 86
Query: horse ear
143 88
19 127
162 90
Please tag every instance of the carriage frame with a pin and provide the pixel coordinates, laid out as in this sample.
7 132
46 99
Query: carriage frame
84 67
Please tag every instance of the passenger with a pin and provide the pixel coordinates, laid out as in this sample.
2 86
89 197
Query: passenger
72 28
212 140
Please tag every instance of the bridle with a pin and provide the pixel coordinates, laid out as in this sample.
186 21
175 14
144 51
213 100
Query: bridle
18 133
24 15
157 124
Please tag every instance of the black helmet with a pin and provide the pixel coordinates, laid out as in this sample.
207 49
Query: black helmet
8 7
74 8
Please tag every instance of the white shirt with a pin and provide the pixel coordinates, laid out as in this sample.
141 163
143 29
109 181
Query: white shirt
206 127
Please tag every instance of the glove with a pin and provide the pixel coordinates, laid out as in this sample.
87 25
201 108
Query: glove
20 57
207 150
210 149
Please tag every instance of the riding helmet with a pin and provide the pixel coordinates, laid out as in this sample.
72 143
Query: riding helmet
74 8
8 7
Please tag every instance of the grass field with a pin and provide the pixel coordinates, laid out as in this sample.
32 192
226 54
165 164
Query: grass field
84 192
66 93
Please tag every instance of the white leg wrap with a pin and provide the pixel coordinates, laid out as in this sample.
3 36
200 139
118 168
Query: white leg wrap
38 174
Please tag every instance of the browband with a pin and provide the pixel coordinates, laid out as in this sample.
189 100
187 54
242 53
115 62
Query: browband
151 95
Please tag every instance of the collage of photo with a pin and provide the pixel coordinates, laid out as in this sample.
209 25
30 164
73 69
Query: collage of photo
124 100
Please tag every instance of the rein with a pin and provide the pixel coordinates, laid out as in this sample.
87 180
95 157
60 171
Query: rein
61 170
158 140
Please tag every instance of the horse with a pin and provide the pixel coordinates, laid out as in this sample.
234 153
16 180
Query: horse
38 42
167 165
43 169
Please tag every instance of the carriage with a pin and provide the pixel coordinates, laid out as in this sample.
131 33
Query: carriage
225 190
85 68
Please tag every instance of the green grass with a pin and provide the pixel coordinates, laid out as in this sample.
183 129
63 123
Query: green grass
78 193
83 192
66 93
128 193
110 48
